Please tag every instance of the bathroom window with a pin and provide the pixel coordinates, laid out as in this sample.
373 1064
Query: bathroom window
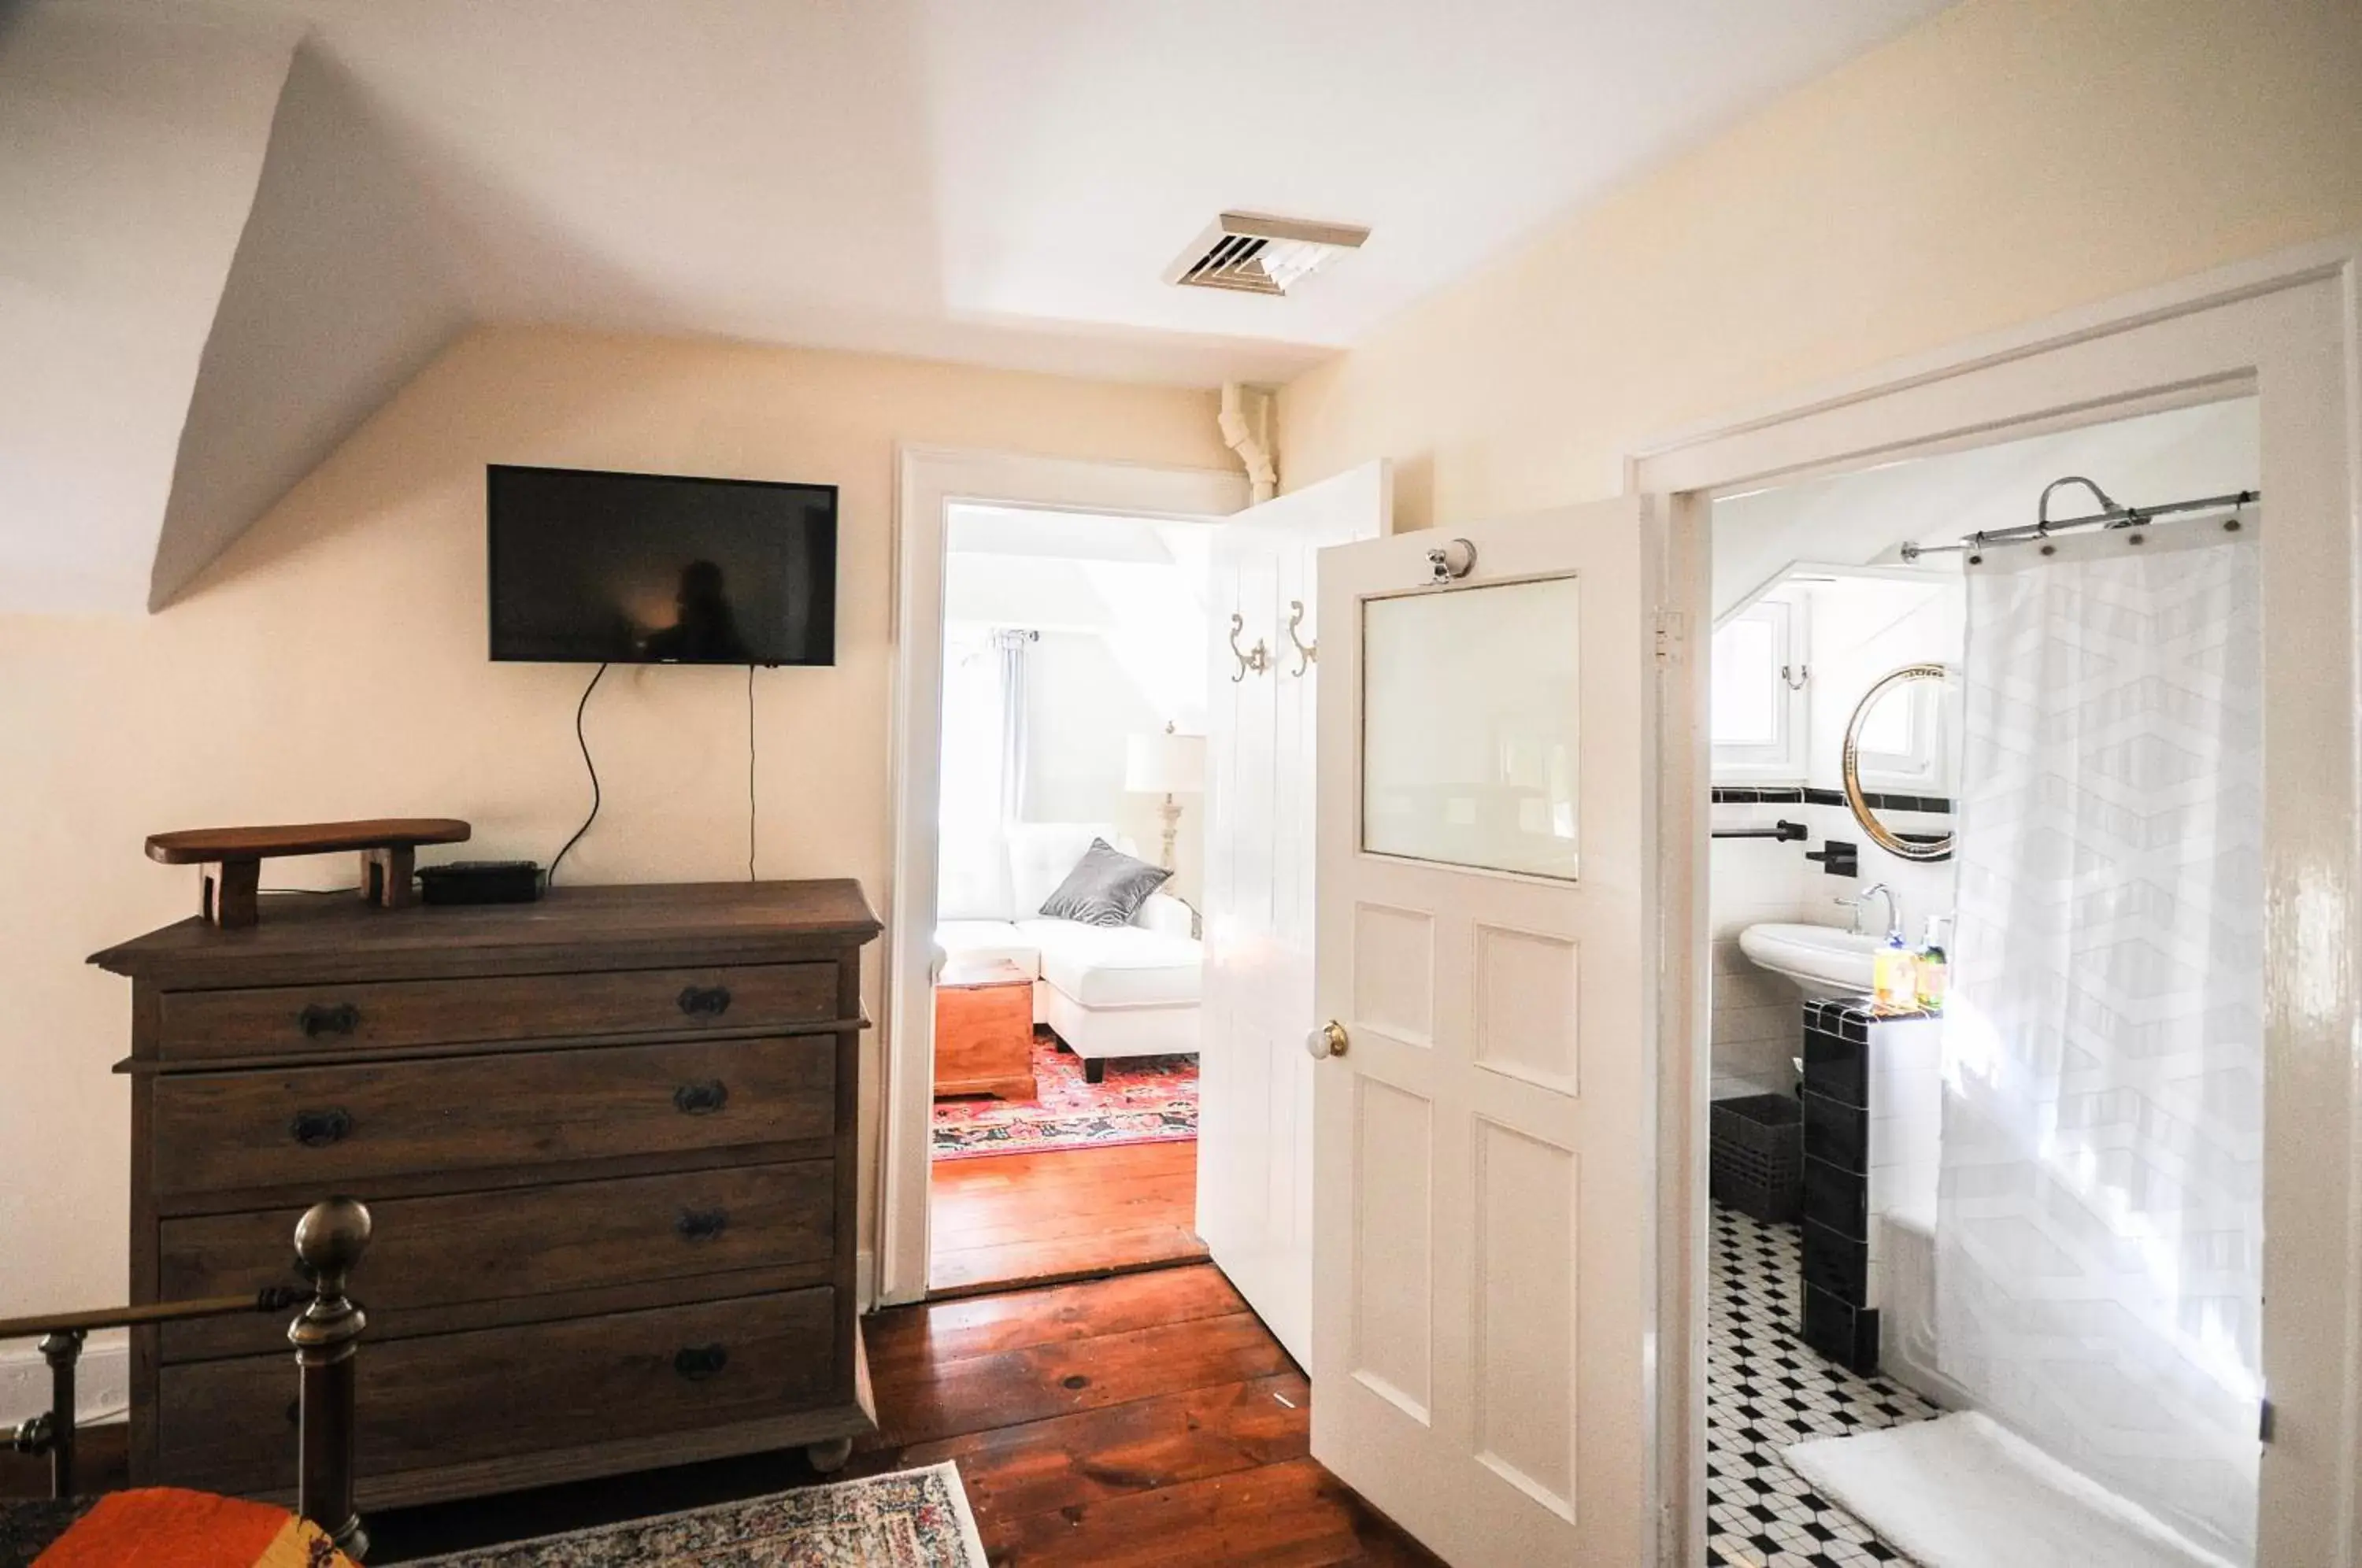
1758 703
1907 742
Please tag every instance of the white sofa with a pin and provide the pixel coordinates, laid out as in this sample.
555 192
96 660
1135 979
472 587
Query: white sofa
1128 990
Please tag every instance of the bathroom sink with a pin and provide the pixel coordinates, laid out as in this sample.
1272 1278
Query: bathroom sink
1823 959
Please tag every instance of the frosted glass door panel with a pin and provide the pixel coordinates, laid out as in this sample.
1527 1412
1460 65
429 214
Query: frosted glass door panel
1469 705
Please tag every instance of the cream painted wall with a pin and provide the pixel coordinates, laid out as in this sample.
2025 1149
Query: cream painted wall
2008 159
332 665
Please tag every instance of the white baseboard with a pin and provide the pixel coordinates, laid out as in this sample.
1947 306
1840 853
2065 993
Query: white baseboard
101 1380
864 1281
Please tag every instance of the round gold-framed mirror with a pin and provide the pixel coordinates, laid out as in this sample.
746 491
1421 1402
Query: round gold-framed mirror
1900 734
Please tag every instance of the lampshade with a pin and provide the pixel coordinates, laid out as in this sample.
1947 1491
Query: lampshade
1164 764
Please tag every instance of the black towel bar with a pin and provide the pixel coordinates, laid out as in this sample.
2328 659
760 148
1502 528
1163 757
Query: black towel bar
1782 830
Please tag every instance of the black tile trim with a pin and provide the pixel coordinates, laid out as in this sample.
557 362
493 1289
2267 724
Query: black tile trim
1837 1263
1935 804
1837 1133
1852 1016
1749 795
1847 1335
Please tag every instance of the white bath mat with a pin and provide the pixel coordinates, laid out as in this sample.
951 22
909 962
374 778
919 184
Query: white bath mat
1961 1492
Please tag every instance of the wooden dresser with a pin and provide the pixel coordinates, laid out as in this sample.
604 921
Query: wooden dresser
608 1139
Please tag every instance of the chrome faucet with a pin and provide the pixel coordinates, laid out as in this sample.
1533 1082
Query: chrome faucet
1854 901
1893 909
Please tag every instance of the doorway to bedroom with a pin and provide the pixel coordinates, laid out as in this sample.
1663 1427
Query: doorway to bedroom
1066 970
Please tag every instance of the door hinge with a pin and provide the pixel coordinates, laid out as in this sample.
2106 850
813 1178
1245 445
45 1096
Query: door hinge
1669 635
2264 1423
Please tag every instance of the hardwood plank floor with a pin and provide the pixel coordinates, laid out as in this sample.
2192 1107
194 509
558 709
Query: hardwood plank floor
1143 1420
1147 1419
1061 1214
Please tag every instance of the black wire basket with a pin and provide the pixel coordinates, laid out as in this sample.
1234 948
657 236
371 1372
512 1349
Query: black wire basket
1755 1155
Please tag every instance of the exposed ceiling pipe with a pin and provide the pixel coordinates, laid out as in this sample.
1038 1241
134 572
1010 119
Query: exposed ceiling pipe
1246 430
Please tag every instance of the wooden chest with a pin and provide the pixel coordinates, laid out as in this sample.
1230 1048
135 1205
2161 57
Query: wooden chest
609 1143
984 1031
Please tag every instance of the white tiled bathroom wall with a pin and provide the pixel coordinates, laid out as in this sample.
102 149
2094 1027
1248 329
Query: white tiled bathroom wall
1757 1015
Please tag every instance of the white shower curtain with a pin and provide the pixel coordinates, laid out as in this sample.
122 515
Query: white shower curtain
2099 1223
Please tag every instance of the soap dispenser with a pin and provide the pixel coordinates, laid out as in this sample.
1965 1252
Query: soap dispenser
1893 986
1934 969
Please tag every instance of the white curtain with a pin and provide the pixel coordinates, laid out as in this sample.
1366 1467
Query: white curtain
1013 647
982 787
2100 1226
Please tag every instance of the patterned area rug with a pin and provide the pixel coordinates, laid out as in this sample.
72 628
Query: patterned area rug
1145 1100
913 1518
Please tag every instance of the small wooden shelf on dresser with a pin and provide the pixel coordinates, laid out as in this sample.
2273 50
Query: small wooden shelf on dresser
608 1141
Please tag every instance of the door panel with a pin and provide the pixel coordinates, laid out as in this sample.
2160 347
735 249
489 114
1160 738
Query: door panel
1255 1151
1483 1280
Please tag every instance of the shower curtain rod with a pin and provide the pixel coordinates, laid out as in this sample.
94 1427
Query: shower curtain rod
2115 517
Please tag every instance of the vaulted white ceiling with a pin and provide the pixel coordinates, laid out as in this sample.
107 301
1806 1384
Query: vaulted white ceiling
1002 181
1007 179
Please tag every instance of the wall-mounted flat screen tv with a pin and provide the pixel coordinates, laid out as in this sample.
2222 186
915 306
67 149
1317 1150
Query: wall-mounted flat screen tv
590 568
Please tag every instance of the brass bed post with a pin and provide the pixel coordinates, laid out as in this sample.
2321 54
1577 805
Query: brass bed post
329 1240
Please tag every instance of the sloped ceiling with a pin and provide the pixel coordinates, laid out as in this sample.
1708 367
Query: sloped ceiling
2183 454
217 266
198 300
129 152
338 293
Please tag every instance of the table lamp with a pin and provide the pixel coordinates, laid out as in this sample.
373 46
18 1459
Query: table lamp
1166 765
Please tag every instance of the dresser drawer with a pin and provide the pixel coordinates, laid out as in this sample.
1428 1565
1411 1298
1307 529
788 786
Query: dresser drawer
330 1128
452 1250
454 1398
202 1025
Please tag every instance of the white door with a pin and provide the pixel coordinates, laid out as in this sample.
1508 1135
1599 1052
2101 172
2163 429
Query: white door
1255 1148
1483 1278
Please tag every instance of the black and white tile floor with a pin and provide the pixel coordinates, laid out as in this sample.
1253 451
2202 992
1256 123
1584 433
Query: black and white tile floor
1765 1389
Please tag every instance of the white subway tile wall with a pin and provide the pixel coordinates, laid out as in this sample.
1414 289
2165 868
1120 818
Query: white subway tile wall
1756 1017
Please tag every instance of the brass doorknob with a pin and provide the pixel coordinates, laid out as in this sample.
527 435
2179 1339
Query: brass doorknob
1328 1040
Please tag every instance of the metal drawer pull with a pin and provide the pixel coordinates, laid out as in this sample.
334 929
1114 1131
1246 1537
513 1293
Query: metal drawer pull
316 1020
697 1363
318 1129
702 1224
701 1100
706 1001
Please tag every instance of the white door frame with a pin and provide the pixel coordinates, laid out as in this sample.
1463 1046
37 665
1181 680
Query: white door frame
2286 329
927 480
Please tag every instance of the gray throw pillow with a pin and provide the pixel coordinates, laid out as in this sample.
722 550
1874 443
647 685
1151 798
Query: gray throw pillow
1106 887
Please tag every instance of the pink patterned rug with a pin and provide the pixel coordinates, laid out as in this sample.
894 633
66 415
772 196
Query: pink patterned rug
1145 1100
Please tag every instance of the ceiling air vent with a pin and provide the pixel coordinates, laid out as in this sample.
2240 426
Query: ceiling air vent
1255 255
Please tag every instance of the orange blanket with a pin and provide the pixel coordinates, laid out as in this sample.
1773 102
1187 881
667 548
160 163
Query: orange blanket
162 1526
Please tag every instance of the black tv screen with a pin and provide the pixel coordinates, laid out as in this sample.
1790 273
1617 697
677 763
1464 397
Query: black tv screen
590 568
